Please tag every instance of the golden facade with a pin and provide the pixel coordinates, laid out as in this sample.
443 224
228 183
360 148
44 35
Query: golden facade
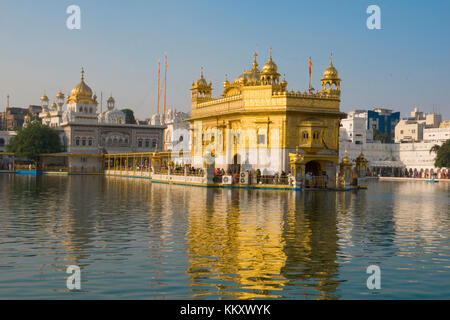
257 122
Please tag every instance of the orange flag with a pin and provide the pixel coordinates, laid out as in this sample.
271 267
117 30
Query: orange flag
310 65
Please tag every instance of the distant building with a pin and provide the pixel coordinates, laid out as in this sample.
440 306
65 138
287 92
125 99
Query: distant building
411 129
83 131
5 138
414 137
430 120
354 128
383 120
177 134
436 134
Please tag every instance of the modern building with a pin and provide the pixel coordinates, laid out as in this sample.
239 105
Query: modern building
257 123
430 120
383 121
411 129
354 128
436 134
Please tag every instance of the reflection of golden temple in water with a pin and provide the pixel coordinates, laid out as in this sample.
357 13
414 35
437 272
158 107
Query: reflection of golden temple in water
262 251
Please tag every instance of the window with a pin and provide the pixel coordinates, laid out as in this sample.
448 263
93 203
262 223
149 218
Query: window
305 135
181 139
261 139
140 144
2 142
77 141
147 143
90 142
153 143
83 142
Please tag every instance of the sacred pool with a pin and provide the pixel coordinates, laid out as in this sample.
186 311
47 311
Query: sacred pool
134 239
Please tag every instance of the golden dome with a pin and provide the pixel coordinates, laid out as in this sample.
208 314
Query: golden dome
226 83
270 66
81 93
81 90
346 160
331 72
202 82
44 98
249 78
60 95
53 105
111 99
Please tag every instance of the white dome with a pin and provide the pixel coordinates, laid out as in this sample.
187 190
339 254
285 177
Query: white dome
112 117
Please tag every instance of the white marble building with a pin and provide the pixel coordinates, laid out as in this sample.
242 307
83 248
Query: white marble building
84 131
177 133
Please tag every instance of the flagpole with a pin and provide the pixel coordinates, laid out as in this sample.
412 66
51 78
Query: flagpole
7 128
159 77
165 90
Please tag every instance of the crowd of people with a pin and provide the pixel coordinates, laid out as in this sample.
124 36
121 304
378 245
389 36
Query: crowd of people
254 176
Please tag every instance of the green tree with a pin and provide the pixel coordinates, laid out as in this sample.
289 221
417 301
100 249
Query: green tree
381 136
129 116
442 159
34 140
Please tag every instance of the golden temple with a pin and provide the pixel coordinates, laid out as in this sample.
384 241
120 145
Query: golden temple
258 123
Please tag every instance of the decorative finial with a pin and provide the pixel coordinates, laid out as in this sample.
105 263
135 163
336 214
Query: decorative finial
255 62
201 75
226 77
82 74
331 58
270 53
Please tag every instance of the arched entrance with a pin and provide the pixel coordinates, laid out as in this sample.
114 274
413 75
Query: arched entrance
313 167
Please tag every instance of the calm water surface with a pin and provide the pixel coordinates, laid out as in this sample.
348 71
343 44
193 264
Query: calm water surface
138 240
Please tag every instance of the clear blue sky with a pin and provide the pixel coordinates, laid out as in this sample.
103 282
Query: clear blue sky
406 64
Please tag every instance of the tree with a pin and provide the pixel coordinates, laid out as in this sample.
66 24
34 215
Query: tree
129 116
442 159
381 136
34 140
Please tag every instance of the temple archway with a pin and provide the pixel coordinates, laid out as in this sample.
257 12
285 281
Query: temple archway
314 167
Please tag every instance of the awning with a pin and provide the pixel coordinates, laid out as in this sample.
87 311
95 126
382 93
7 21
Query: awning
389 164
